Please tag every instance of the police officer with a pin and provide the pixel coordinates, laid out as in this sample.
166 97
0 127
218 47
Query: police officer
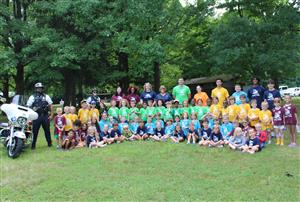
42 104
94 98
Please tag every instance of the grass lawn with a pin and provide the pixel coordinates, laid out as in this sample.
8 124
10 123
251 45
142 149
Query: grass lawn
139 171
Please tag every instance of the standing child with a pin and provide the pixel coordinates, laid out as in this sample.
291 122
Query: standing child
186 108
124 111
176 108
113 110
160 109
150 111
73 116
216 138
232 110
253 113
143 112
59 124
68 117
133 126
244 107
215 108
225 109
252 144
192 134
150 126
226 129
278 121
169 111
185 123
205 134
271 94
133 110
83 113
238 140
196 122
169 128
290 119
177 135
103 121
265 117
94 112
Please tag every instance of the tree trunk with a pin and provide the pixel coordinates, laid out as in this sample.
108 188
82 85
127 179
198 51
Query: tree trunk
123 67
19 79
5 89
70 88
156 76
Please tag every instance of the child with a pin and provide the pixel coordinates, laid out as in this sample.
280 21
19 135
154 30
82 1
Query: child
143 112
252 144
243 108
290 119
124 111
232 110
67 141
150 111
245 127
169 111
271 94
122 124
262 135
116 134
94 112
224 111
186 108
192 134
176 121
133 126
103 121
92 140
83 113
238 140
185 123
160 109
253 113
177 135
77 132
133 110
82 136
226 129
216 138
141 133
169 128
69 121
215 108
205 134
159 133
265 117
73 116
127 133
113 110
278 121
105 135
195 121
59 124
150 126
176 109
158 118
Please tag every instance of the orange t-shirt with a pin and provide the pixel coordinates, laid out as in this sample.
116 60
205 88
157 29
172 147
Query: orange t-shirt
203 96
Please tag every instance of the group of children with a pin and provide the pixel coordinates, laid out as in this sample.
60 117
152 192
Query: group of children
242 127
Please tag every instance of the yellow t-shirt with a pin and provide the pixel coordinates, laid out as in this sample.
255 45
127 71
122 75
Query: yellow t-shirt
83 115
215 110
94 112
221 93
265 118
69 122
225 111
253 115
243 111
232 112
74 117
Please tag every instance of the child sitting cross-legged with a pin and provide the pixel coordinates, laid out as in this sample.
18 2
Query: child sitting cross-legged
159 133
238 140
127 133
141 132
216 138
205 134
92 141
105 135
192 134
252 145
116 134
177 135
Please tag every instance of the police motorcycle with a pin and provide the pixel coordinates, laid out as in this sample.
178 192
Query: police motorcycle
16 134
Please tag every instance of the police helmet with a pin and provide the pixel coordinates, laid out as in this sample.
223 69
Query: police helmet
39 85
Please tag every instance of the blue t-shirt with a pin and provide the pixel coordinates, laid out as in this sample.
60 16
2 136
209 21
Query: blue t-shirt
145 96
216 137
169 130
160 132
121 126
196 124
102 123
206 133
103 134
141 131
270 96
211 123
253 142
164 98
256 92
89 140
133 127
150 128
226 128
237 95
178 134
185 123
115 133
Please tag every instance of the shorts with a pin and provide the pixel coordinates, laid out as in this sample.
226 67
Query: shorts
279 127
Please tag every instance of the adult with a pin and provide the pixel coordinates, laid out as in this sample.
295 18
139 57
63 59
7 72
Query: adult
118 96
220 92
181 92
94 98
147 94
200 95
237 94
163 95
271 94
132 94
42 104
256 92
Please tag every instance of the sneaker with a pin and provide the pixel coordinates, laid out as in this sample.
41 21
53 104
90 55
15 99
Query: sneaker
194 142
269 142
292 145
188 143
220 146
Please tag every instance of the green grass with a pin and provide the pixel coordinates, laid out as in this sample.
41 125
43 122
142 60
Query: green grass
140 171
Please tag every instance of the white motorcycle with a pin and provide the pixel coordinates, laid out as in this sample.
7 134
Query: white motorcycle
16 133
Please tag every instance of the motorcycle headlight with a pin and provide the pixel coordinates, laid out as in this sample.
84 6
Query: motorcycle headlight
22 121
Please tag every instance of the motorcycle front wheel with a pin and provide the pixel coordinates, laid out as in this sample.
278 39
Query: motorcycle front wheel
15 148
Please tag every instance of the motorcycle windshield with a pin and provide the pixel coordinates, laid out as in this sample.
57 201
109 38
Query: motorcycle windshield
19 100
14 111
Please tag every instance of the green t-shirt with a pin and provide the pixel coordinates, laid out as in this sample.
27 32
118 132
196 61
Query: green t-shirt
114 112
201 111
161 110
181 93
124 111
133 112
143 114
150 111
168 114
177 112
187 110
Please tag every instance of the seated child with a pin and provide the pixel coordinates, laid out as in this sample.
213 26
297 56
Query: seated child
205 134
192 134
91 139
177 135
68 140
216 138
238 140
105 135
122 124
141 133
226 129
116 134
252 145
150 126
159 133
82 136
262 135
169 128
127 133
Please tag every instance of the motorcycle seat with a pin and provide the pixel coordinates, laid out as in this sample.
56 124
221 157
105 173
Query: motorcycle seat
3 125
